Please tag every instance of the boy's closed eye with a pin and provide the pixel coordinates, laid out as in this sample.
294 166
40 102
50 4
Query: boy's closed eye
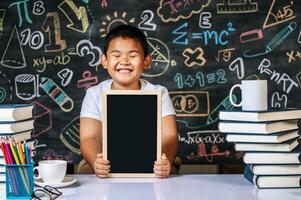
116 55
133 55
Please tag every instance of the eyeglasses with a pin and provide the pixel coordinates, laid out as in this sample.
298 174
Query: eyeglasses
48 192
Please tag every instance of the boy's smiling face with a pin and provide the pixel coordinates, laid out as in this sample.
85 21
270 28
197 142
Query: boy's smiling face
125 62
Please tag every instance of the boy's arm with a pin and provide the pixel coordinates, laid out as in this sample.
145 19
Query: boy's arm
90 138
170 143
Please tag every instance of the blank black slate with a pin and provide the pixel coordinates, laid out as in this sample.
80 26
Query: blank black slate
131 133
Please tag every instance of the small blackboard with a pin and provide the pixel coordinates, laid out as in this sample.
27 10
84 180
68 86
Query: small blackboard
131 131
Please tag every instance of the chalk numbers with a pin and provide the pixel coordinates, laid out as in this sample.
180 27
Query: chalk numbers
147 16
285 12
35 39
52 26
200 79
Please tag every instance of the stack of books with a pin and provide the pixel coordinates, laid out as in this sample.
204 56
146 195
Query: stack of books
2 169
16 124
270 140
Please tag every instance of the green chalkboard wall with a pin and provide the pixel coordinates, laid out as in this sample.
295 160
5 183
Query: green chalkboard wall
50 50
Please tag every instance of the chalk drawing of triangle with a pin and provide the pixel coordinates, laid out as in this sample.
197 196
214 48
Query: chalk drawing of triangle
276 7
13 56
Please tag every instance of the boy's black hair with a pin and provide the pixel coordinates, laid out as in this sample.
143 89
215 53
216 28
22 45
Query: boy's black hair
126 31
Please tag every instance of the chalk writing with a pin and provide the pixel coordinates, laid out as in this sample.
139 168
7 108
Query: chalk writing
194 57
25 10
35 39
190 103
38 8
201 152
225 54
51 25
41 64
204 20
292 55
238 66
74 15
86 48
65 75
174 10
282 79
87 81
190 81
279 101
195 137
232 6
2 14
276 16
147 16
218 37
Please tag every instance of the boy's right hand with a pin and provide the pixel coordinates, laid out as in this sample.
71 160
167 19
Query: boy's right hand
101 166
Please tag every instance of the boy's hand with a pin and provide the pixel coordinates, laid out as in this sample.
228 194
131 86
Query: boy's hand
162 167
101 166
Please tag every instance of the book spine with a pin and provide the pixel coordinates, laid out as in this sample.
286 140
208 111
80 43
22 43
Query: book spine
248 174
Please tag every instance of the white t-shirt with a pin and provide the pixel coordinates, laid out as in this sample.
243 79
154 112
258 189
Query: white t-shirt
92 103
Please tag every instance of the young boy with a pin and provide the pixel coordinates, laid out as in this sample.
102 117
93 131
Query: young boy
125 56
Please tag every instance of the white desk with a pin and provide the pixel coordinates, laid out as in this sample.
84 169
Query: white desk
182 187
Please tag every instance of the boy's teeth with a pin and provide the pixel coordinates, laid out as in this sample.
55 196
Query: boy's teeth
124 70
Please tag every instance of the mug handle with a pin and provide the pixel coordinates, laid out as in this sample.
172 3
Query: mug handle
36 177
231 95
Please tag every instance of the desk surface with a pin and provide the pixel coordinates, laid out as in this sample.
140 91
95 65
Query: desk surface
182 187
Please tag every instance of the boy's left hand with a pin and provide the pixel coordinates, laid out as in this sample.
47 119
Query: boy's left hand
162 167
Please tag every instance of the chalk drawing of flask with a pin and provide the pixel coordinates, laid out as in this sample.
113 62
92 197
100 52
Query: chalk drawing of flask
26 86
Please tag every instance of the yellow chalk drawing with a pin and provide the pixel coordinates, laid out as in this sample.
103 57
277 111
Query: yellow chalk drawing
277 16
80 13
224 54
200 60
191 103
2 14
176 4
51 25
115 20
236 6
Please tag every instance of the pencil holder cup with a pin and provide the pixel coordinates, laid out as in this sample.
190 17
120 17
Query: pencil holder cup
19 181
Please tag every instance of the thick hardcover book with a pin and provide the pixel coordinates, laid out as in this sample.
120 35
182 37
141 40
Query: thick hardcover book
2 177
260 138
18 137
276 169
16 112
260 116
2 161
16 127
2 168
257 127
282 147
293 157
269 181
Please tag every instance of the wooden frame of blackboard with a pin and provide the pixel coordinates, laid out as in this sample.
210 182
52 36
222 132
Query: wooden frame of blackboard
149 115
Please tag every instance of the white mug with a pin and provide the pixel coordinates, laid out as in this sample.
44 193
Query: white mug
254 95
51 171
